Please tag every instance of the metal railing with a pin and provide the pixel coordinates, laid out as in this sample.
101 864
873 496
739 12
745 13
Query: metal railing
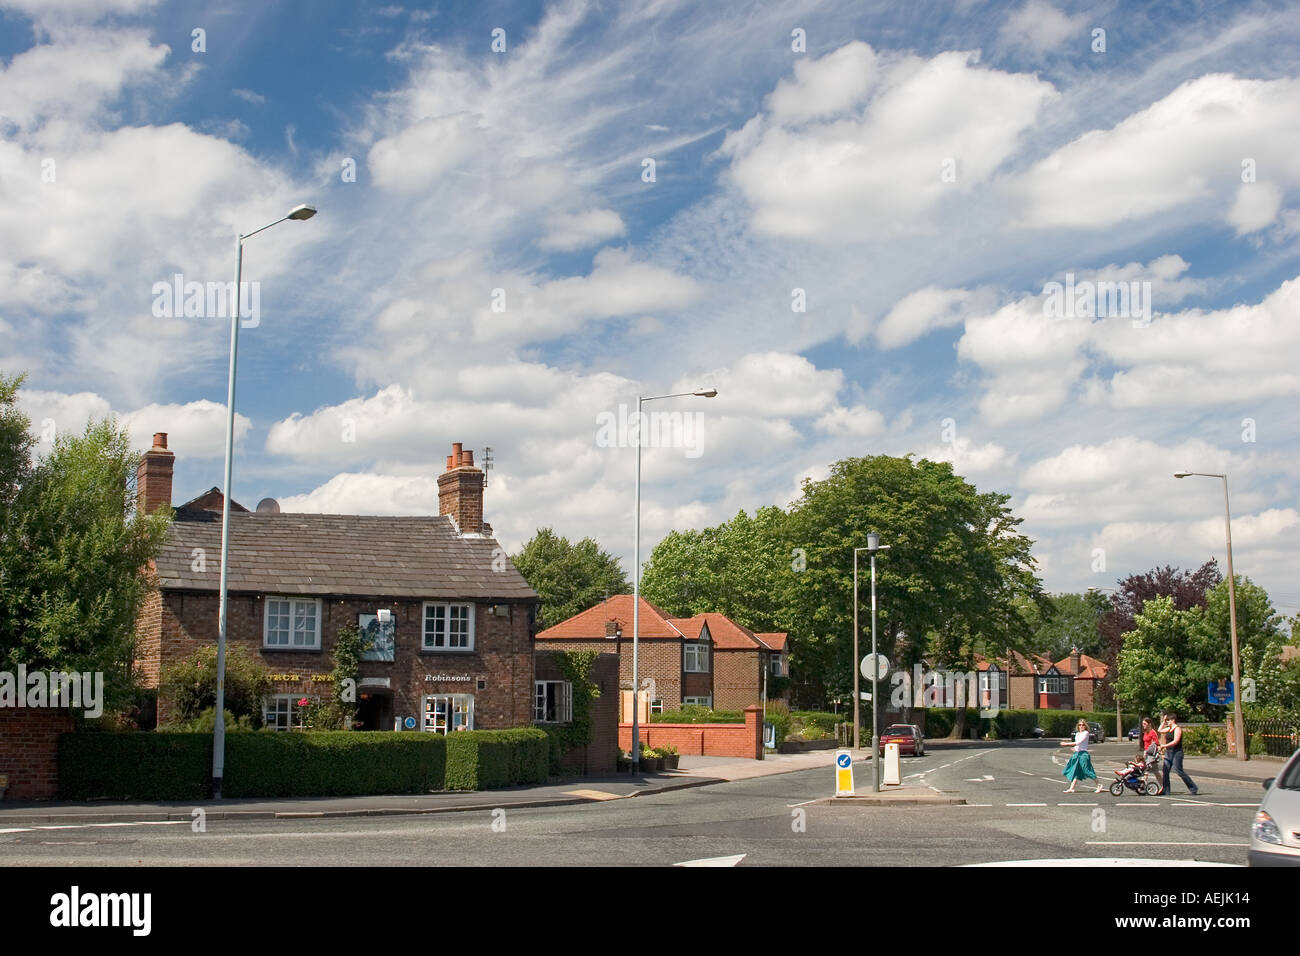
1281 738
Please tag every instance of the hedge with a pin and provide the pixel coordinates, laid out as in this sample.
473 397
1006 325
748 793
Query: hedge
694 714
178 766
1009 724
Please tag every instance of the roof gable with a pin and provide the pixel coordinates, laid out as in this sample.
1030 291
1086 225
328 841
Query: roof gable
653 623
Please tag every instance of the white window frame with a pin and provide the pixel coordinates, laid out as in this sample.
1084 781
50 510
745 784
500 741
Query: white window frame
471 615
698 702
293 712
693 650
455 705
556 693
774 666
657 705
294 604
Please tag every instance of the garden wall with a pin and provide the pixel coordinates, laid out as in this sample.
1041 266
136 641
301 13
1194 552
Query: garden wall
708 740
29 751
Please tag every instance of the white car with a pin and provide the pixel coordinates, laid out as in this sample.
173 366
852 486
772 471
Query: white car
1275 835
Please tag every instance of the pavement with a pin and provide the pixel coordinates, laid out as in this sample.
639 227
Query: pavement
694 771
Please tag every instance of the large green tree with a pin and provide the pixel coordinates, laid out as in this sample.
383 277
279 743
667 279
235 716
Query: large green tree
569 577
1071 620
1172 653
74 557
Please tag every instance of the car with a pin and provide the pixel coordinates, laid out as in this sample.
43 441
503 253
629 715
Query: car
1038 732
909 738
1275 834
1095 734
1135 732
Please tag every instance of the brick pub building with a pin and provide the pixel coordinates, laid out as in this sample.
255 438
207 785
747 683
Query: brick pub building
457 651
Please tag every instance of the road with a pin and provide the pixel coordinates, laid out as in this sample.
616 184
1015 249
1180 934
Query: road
1015 811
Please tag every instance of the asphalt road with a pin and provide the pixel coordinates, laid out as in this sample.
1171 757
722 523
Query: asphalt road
1015 811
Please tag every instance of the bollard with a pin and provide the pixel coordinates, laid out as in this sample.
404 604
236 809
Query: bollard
893 774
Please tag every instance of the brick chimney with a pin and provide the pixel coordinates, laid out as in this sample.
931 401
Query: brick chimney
153 478
612 628
1074 661
460 491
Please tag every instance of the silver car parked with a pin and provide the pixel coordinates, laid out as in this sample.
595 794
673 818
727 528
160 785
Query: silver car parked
1275 835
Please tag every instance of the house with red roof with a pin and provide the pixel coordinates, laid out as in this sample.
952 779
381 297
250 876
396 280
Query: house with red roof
1034 682
708 659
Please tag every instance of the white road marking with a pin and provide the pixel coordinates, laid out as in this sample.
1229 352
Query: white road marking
804 804
82 826
1026 804
1025 772
714 861
1078 804
1153 843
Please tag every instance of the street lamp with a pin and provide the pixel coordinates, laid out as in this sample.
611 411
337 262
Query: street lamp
873 545
297 213
636 571
1237 727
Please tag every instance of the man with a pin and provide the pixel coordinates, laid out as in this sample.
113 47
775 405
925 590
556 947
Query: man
1172 753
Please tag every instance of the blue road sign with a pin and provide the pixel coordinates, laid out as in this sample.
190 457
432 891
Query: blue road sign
1220 692
844 760
409 723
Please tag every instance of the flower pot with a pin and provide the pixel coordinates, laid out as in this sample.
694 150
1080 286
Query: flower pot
670 762
624 765
652 764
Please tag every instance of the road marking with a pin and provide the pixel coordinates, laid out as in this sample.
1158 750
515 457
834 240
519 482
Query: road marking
944 767
1025 772
81 826
1153 843
714 861
1026 804
804 804
1078 804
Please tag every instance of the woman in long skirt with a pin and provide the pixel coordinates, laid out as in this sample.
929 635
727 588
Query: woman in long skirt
1080 765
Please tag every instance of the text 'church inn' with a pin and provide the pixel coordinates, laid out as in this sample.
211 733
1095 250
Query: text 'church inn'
457 650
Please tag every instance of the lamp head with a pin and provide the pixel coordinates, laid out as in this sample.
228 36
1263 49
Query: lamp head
873 541
1182 474
301 212
706 392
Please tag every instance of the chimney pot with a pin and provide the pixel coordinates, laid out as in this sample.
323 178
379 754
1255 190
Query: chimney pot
460 491
467 458
153 477
159 439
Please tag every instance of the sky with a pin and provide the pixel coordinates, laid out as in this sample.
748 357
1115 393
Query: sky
873 227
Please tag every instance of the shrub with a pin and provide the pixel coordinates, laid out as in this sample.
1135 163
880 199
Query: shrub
694 714
135 766
1257 747
487 759
189 686
778 714
332 763
1204 740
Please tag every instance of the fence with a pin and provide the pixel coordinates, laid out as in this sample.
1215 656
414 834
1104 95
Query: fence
1279 738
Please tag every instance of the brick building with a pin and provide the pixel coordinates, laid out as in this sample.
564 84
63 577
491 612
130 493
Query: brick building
707 659
1033 682
456 651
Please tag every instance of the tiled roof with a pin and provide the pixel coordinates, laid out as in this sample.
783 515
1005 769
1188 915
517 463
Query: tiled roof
1089 667
590 624
1018 664
727 634
775 642
363 555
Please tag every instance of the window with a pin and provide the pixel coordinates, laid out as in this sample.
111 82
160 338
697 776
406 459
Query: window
696 658
448 712
552 702
697 701
449 627
657 705
774 665
281 711
1053 684
292 623
987 683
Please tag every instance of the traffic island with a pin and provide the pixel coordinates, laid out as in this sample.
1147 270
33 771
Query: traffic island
898 797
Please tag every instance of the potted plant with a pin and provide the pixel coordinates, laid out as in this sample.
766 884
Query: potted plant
624 764
670 755
651 762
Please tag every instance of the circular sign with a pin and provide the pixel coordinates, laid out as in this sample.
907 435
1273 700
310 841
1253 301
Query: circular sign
881 666
409 723
843 760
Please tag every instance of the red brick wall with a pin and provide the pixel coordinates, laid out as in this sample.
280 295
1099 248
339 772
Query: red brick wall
737 679
502 655
659 658
601 753
148 634
29 751
711 740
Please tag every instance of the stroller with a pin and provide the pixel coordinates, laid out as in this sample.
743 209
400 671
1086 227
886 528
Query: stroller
1139 776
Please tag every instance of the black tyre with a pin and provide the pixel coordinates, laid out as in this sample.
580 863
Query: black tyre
1117 788
1152 788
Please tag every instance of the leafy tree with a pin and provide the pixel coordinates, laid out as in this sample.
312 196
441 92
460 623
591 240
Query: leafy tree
1072 621
74 558
1172 654
741 568
569 577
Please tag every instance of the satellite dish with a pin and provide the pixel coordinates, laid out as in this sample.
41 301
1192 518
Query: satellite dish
268 506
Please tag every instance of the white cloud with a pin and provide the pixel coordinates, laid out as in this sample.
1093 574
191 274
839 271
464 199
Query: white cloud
1187 148
858 422
568 232
1040 27
877 171
925 310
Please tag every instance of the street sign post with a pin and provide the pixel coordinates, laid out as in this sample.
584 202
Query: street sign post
1221 692
881 666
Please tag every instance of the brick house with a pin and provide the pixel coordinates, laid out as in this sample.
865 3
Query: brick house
1033 682
707 659
456 652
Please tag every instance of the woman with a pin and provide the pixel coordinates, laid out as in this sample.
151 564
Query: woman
1080 765
1151 745
1172 755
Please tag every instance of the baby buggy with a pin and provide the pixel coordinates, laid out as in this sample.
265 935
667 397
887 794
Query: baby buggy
1138 777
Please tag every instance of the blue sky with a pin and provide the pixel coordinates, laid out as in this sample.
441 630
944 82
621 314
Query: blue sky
920 172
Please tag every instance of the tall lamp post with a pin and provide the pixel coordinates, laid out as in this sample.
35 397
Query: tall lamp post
219 725
873 545
1237 727
636 573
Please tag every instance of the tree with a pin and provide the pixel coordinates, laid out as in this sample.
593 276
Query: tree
74 558
569 577
1072 621
190 686
1172 653
741 568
